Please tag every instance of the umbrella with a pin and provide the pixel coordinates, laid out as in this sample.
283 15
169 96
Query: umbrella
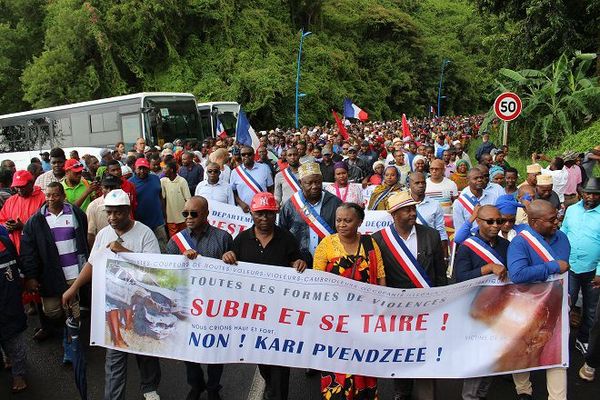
79 364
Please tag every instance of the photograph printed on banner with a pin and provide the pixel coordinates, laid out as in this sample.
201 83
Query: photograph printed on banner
143 306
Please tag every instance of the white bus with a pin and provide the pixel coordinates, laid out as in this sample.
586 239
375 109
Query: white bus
226 111
157 117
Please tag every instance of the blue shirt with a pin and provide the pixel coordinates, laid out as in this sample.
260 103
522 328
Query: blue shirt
149 208
489 196
193 175
261 174
432 213
468 264
582 227
526 266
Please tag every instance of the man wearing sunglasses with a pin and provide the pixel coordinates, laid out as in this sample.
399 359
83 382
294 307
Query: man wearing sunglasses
538 251
249 178
200 238
213 188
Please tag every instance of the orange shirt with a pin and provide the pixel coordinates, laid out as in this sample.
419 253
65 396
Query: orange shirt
22 208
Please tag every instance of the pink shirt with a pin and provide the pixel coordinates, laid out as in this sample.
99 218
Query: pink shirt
573 179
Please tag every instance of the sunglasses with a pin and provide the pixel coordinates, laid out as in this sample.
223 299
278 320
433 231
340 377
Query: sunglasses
212 171
491 221
246 154
191 214
351 151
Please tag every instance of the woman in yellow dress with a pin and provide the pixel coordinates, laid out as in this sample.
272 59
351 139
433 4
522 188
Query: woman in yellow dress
391 183
354 256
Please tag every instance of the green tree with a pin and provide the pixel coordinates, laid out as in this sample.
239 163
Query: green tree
557 100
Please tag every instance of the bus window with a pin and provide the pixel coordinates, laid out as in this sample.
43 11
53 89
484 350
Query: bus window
168 119
205 122
229 121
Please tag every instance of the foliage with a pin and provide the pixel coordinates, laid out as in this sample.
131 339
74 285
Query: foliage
384 54
582 141
533 33
557 100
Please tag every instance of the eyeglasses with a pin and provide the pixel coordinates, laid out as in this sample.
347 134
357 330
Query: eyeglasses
212 171
246 154
191 214
491 221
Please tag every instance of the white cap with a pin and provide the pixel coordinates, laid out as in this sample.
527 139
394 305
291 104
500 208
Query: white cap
116 197
126 170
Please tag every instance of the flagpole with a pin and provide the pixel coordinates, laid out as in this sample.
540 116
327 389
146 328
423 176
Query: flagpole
298 94
444 64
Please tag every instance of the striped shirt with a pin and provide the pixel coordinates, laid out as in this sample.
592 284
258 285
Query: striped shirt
63 227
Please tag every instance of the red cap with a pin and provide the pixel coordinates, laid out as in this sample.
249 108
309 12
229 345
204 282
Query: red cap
73 165
264 201
142 162
21 178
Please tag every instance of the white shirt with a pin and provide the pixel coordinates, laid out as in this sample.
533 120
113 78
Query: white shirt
559 181
411 241
442 192
220 191
139 239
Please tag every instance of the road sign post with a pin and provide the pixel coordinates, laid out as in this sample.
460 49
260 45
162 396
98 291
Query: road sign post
507 107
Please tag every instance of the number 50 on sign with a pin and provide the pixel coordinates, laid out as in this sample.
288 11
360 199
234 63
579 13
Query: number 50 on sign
507 106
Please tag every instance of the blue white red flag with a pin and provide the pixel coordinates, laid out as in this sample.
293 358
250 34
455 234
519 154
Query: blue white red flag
244 133
221 132
351 110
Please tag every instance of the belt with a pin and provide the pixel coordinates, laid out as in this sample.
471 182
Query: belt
7 264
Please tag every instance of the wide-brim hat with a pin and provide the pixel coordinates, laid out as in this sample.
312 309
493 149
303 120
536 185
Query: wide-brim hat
399 200
592 185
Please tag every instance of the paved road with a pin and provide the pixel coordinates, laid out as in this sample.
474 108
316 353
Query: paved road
49 380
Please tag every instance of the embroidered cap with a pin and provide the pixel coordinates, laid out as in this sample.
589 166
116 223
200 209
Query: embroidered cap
544 180
534 169
400 199
307 169
116 197
263 201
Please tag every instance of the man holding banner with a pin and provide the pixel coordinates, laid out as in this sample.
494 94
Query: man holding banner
482 254
200 238
249 179
538 251
266 243
286 180
412 257
310 213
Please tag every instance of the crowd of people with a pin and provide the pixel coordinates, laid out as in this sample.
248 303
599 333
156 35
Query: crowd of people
58 214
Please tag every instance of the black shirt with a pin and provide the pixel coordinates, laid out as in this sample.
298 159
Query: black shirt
282 250
328 172
468 264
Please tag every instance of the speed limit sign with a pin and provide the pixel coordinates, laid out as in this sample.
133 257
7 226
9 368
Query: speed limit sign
507 106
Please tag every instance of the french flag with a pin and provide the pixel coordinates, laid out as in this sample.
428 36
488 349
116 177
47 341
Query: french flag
244 133
351 110
221 132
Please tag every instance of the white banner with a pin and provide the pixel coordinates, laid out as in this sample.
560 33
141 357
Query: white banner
233 220
210 312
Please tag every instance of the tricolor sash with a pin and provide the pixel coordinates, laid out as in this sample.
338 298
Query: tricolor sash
540 247
421 220
249 180
182 240
310 215
291 179
485 251
413 269
468 202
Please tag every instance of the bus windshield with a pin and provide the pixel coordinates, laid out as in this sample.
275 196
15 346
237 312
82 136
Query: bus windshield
170 118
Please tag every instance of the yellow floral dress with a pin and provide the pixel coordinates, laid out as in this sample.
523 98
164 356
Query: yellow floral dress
364 266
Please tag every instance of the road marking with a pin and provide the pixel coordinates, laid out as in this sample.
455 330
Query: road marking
257 388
